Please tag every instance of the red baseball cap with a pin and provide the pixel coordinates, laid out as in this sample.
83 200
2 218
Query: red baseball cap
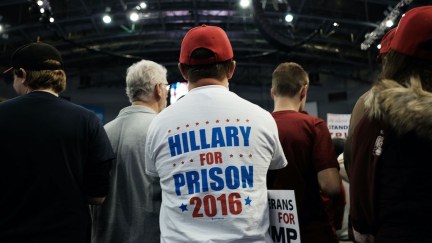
385 43
209 37
413 35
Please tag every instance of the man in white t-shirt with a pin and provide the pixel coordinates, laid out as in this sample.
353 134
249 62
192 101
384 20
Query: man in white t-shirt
212 150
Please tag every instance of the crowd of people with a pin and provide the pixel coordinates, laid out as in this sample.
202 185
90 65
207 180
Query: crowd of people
199 170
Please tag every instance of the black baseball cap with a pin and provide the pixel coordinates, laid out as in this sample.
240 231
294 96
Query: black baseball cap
33 57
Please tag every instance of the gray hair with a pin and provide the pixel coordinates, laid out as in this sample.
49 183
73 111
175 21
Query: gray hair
141 78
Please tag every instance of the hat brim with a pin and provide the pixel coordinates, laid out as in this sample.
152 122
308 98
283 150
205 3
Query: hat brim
7 70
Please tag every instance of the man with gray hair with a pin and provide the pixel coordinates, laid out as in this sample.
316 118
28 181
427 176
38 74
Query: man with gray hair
131 211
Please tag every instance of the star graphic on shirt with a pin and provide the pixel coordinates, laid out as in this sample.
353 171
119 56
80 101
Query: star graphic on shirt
183 207
217 121
238 120
231 155
197 123
227 120
250 155
207 122
248 201
191 160
187 125
241 155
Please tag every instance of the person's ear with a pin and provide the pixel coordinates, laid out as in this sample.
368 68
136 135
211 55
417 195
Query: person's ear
24 74
231 69
158 92
183 71
272 93
303 92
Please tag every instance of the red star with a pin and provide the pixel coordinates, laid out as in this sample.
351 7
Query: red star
174 165
182 162
247 120
227 120
231 155
169 131
187 125
197 123
207 122
178 128
191 160
241 155
217 121
250 155
238 120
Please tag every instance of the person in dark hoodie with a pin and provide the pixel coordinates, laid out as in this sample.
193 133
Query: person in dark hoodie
390 172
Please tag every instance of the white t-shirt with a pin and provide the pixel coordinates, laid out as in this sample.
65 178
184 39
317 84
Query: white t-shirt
211 150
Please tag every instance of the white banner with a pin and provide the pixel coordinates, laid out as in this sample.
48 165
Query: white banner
284 225
338 124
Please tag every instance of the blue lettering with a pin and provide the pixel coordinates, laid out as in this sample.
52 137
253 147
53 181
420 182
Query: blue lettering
174 145
204 180
232 177
179 181
204 144
192 178
185 142
247 176
193 144
218 183
231 136
245 134
217 138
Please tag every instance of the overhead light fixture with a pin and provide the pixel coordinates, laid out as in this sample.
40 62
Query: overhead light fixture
380 30
289 18
43 9
1 28
106 19
134 16
389 23
143 5
244 3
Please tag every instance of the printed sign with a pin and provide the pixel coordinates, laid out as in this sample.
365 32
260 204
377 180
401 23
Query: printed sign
284 224
338 124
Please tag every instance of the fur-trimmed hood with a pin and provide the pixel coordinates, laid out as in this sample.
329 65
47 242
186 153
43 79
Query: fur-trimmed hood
405 109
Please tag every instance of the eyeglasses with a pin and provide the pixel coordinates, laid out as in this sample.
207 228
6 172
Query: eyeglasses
166 84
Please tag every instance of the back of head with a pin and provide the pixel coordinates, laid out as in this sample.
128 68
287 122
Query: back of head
43 65
206 52
339 145
410 51
288 79
141 78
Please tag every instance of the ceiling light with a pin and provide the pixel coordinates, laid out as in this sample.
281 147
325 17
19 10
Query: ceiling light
51 20
143 5
40 3
289 18
244 3
42 10
335 24
134 16
1 28
389 23
379 46
106 19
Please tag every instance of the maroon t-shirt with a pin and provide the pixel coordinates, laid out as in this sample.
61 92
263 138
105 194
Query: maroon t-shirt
308 148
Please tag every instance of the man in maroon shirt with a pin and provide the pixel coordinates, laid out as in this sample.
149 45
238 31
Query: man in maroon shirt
307 144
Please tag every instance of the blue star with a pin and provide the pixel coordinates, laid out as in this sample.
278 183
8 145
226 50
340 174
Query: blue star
183 207
248 201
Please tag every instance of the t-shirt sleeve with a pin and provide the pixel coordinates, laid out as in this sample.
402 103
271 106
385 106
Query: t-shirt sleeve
279 160
100 157
323 153
150 160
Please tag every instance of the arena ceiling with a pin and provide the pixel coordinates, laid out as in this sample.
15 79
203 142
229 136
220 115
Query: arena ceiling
325 36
